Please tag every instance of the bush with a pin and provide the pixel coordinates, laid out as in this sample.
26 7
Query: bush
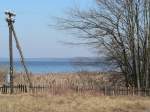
3 73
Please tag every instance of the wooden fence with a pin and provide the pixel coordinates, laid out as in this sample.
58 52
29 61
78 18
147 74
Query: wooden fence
18 89
108 91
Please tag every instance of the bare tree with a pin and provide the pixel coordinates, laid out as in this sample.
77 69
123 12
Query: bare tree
122 29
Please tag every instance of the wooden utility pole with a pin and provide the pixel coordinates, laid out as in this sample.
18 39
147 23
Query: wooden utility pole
12 33
10 21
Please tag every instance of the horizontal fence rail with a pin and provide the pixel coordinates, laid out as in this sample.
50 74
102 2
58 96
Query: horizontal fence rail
62 89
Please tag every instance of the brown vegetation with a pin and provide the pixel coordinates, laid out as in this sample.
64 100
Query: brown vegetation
81 78
73 103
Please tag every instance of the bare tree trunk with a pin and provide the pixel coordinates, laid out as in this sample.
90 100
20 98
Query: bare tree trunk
146 26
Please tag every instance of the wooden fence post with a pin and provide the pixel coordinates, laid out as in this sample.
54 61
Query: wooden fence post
105 91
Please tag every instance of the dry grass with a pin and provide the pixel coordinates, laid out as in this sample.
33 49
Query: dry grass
103 79
72 103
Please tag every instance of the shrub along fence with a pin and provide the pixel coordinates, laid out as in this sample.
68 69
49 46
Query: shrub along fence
58 90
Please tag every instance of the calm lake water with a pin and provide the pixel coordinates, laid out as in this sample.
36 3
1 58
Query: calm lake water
58 65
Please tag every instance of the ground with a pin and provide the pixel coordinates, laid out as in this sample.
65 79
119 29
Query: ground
73 103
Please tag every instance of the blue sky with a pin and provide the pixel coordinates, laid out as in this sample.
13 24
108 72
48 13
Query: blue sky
36 37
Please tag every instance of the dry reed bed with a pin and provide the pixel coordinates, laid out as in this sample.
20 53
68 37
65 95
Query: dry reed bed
62 83
85 79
